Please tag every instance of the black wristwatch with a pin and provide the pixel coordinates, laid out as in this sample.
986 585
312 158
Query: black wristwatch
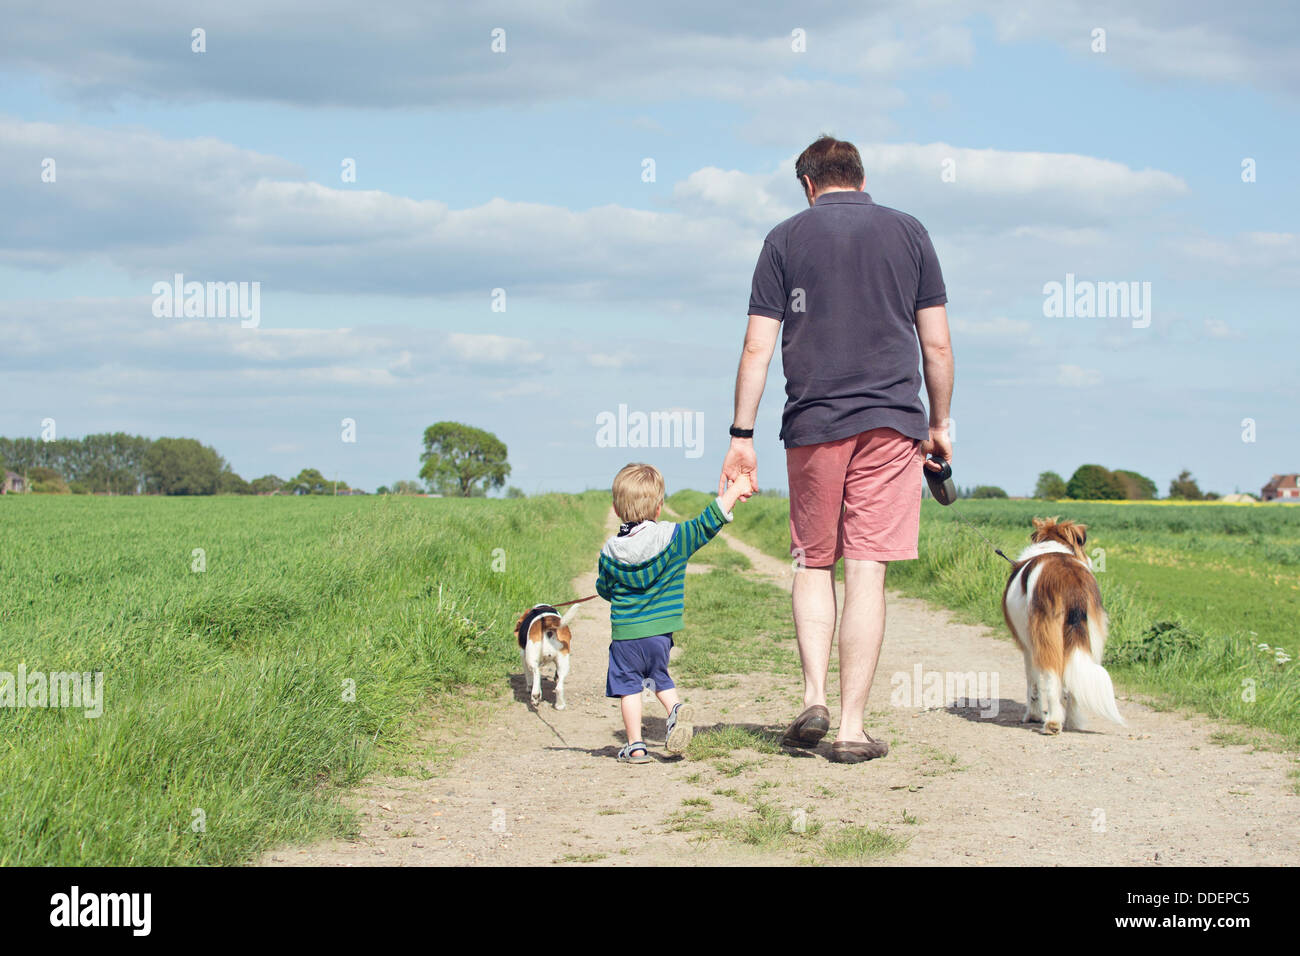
741 432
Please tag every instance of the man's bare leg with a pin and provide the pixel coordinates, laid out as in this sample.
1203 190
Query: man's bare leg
862 631
813 596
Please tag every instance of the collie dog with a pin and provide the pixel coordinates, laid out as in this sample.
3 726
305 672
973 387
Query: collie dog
544 635
1053 607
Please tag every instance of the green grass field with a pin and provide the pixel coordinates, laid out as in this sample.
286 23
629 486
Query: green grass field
1192 590
241 700
238 700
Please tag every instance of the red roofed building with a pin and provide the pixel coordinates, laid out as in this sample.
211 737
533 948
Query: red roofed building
1282 488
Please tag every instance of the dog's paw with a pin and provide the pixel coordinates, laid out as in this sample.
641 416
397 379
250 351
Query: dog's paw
1052 727
535 699
559 705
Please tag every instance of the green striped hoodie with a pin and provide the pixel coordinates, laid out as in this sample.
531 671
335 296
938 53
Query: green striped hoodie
643 574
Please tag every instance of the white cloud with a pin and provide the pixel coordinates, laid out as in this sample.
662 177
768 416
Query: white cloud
1219 329
493 349
1064 197
606 360
1073 376
1167 39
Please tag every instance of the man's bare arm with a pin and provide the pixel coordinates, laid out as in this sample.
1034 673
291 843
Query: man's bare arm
751 377
937 363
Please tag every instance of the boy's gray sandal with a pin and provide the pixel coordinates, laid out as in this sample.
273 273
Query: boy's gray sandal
680 729
628 753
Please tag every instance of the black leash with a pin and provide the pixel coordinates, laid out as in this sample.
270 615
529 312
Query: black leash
945 492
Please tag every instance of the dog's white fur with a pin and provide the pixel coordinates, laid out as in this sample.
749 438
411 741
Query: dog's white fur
1058 696
552 645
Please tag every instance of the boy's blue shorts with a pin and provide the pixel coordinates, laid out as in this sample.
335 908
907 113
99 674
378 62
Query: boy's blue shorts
637 665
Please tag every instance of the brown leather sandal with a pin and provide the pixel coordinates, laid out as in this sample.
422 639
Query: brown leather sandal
856 751
808 728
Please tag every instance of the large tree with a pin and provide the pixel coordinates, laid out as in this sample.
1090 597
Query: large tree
1185 487
311 482
182 466
1050 487
229 483
1094 482
462 460
267 484
1136 487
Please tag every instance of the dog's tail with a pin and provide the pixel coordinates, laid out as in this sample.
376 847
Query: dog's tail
569 614
1089 687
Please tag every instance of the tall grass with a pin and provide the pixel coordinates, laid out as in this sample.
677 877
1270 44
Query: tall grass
1192 591
239 699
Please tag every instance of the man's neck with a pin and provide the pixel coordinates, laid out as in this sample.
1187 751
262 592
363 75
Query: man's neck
832 189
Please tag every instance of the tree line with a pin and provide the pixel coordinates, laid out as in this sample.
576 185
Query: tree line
122 464
1094 482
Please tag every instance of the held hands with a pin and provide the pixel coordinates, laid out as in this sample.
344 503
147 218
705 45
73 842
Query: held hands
738 490
740 460
743 486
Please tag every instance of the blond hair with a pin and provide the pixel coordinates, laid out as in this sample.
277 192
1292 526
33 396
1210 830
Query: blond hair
638 492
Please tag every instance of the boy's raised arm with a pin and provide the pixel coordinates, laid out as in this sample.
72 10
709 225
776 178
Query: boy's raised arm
699 531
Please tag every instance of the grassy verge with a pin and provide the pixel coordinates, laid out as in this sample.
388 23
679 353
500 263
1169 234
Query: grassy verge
258 655
1203 599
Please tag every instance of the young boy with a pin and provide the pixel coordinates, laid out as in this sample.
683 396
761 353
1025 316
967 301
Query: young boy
641 573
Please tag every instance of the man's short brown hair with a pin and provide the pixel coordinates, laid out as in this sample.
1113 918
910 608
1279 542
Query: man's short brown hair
830 162
638 492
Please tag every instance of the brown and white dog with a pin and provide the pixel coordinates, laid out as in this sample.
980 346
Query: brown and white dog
1053 606
544 636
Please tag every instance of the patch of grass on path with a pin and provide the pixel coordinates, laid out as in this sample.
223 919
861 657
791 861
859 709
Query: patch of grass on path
853 844
721 741
767 827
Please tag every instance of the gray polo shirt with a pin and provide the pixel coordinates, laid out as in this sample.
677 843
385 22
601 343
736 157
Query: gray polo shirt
845 277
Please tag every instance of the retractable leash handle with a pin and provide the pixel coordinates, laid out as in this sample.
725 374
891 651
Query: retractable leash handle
940 482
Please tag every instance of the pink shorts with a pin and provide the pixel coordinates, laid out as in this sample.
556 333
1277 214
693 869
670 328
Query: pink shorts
856 497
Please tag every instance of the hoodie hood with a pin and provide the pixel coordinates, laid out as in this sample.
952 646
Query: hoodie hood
640 544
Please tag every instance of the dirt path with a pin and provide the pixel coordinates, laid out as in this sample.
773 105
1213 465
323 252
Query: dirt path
542 787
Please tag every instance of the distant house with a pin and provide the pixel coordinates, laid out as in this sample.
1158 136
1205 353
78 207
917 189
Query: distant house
1281 488
13 482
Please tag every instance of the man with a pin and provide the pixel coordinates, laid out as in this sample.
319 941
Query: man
851 286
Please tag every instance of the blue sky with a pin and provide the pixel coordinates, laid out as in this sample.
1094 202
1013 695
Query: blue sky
522 170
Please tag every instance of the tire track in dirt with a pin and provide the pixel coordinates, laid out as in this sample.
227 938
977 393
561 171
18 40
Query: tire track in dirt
543 787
